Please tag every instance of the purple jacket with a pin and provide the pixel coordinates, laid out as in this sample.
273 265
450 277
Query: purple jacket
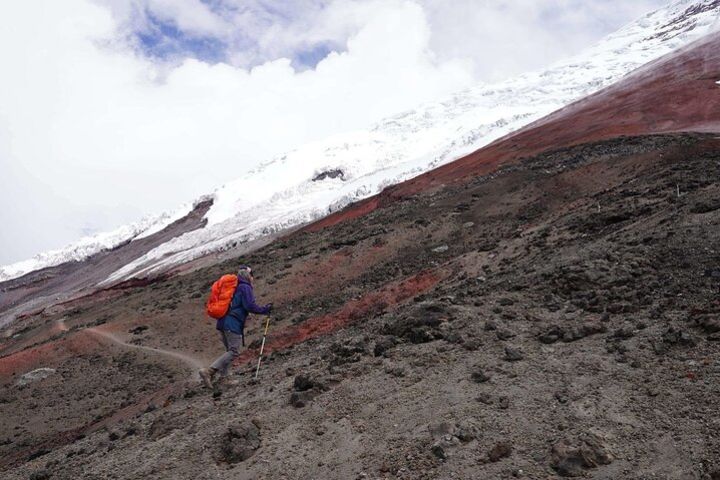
243 302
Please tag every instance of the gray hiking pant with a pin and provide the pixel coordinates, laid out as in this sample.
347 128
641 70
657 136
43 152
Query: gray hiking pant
232 342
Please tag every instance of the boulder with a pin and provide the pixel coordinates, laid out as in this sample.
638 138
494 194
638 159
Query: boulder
240 442
513 354
421 324
552 335
571 458
447 436
35 375
350 351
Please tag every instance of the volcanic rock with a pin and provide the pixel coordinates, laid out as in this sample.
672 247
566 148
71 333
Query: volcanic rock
305 390
40 475
552 335
301 399
499 451
35 375
624 332
421 324
678 337
513 354
383 345
570 458
466 431
240 442
349 351
448 436
503 334
479 376
303 383
709 323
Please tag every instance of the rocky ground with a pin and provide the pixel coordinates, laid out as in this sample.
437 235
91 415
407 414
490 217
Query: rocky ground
559 317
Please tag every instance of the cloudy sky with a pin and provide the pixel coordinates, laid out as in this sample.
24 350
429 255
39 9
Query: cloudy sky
112 109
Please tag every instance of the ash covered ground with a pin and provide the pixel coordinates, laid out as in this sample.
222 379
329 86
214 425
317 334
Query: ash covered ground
558 317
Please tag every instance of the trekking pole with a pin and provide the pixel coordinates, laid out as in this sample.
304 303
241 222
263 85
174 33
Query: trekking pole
262 346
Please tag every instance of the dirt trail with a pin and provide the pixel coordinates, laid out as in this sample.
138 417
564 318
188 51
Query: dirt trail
194 363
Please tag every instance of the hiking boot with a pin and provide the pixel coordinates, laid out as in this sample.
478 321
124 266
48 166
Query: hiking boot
207 374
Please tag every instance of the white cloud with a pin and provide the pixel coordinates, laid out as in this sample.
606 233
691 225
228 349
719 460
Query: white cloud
191 16
504 38
499 37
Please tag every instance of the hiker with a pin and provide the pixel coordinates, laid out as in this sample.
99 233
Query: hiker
232 325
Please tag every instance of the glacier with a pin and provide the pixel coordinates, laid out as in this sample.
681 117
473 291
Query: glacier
89 245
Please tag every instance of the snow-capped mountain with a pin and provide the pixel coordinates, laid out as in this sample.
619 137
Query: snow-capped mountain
89 245
319 178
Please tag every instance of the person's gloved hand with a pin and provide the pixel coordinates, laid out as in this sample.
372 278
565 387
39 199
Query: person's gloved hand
269 307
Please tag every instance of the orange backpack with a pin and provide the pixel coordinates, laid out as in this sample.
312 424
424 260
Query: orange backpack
221 295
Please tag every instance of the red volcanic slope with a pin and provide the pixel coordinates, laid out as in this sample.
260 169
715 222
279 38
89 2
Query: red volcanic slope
676 93
50 353
387 297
